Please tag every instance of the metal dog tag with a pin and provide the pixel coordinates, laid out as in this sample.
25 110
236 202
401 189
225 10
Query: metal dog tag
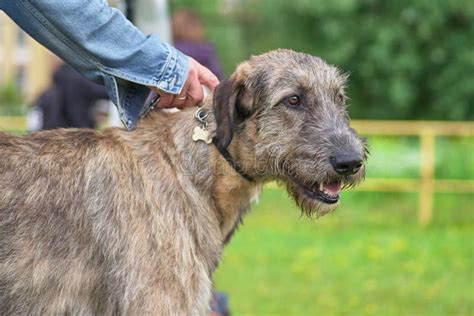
202 134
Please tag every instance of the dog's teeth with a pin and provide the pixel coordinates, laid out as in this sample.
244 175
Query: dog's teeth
321 187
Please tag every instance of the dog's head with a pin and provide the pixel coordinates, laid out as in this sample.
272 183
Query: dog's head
283 113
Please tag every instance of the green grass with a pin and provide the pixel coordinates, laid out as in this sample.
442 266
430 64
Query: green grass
369 257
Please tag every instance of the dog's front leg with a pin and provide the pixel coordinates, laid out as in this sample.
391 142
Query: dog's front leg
174 295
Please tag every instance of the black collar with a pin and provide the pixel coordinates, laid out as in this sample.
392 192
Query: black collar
200 115
225 153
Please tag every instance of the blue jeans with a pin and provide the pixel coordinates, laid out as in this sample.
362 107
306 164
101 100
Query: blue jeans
104 46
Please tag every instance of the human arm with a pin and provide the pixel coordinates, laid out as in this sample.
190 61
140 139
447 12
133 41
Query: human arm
104 46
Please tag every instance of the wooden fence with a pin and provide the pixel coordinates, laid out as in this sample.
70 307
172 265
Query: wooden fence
425 186
12 123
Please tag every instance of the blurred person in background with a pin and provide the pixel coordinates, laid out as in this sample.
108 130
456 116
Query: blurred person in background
188 37
70 101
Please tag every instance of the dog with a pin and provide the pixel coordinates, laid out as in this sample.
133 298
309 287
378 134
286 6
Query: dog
117 222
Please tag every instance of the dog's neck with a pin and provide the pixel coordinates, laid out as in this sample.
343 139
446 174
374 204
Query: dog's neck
204 169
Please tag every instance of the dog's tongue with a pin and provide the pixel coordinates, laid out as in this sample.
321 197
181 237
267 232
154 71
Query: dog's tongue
333 187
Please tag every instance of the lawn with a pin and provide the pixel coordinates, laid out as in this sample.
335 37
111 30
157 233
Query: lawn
369 257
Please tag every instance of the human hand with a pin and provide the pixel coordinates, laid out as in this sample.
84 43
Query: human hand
191 93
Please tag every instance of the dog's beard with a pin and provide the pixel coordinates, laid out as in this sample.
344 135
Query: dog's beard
309 206
314 186
319 197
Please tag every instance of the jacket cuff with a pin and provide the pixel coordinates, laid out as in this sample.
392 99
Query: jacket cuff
175 72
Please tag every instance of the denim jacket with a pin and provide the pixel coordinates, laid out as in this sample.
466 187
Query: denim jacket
104 46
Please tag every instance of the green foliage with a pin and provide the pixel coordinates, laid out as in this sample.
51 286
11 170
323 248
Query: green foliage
407 59
11 99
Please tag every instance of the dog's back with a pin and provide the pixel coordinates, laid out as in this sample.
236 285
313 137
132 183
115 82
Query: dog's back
62 225
83 231
48 253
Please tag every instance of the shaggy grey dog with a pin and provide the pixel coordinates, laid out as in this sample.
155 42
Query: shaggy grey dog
134 223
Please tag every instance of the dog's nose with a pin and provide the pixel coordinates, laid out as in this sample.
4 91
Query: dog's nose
346 164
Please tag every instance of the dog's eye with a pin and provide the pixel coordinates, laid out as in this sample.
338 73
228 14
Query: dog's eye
294 100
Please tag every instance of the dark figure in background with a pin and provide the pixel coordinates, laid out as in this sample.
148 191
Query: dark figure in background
70 100
188 37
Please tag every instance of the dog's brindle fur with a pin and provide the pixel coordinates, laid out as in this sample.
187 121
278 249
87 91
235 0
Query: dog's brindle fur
118 222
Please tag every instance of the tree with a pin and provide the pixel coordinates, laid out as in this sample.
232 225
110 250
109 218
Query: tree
406 59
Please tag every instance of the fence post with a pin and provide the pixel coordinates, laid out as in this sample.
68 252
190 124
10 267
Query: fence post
427 166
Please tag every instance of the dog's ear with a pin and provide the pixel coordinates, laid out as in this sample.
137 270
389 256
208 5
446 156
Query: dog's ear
228 109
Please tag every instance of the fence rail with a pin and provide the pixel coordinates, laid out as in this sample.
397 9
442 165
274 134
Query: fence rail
426 185
12 123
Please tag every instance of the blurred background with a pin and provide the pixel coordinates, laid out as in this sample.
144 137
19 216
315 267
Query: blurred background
400 244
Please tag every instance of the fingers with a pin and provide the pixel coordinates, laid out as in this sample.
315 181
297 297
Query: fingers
180 100
192 92
207 78
195 93
166 101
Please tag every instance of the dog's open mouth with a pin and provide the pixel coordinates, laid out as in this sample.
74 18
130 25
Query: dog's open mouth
325 192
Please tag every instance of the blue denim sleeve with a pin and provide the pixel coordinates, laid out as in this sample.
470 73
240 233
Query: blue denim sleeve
104 46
